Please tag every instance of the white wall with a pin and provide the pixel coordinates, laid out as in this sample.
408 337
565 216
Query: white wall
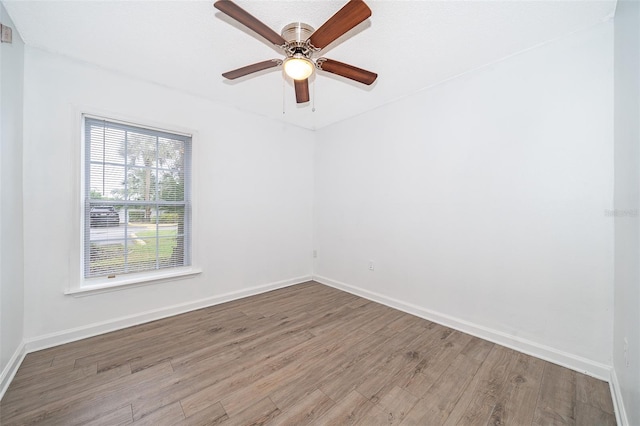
253 182
627 202
11 245
482 201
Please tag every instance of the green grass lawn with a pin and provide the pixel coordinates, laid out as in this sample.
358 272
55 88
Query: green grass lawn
141 253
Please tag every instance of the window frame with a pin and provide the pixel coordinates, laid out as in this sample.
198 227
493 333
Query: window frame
95 285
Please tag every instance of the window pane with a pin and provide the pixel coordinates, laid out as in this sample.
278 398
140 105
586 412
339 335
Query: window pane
141 184
107 144
142 252
106 258
172 217
176 258
171 233
104 218
141 216
170 154
141 149
171 185
107 182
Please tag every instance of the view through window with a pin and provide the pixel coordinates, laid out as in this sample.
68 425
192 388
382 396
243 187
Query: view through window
137 199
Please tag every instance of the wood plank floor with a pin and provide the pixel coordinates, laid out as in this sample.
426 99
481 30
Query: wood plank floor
306 354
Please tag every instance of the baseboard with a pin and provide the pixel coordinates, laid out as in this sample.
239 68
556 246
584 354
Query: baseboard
618 402
556 356
90 330
10 370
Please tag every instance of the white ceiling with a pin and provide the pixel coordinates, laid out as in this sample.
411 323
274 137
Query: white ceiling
188 44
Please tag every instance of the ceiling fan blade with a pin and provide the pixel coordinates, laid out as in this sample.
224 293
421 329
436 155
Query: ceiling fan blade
302 90
346 18
250 69
245 18
346 70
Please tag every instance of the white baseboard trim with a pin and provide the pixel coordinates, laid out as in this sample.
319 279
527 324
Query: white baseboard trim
10 370
618 402
547 353
65 336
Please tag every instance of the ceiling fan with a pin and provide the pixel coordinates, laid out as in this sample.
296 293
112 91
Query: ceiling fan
300 42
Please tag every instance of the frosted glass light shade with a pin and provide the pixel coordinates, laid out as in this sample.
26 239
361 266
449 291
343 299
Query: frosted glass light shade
298 68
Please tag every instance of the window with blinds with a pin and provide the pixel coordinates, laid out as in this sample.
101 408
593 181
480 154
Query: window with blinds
137 207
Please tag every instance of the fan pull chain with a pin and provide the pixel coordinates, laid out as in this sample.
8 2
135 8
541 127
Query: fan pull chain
313 98
283 96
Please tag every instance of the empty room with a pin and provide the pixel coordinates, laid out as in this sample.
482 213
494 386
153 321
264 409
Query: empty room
328 212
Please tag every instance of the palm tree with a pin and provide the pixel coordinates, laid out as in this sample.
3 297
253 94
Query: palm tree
145 150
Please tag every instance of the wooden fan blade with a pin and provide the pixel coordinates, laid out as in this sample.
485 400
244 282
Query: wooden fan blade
250 69
346 70
302 90
245 18
346 18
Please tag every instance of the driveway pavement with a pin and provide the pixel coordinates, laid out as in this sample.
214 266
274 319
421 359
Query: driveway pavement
116 234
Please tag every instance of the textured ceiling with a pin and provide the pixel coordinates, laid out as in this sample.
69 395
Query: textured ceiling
188 44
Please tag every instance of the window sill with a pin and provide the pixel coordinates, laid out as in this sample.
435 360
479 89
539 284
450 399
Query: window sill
105 285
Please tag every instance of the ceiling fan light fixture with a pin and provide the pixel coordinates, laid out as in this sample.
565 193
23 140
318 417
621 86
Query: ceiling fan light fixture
300 42
298 67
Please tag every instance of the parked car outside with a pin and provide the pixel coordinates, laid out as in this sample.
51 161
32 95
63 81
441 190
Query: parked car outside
104 216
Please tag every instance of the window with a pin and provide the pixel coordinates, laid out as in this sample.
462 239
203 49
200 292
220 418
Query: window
137 210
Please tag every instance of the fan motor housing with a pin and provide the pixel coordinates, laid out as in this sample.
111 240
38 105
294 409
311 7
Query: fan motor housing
296 35
297 32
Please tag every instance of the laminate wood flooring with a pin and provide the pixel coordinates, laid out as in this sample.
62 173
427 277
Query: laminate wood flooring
306 354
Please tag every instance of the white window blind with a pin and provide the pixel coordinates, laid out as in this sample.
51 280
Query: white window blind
137 196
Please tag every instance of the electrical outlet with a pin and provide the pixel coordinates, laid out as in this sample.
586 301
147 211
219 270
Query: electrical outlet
371 267
626 351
